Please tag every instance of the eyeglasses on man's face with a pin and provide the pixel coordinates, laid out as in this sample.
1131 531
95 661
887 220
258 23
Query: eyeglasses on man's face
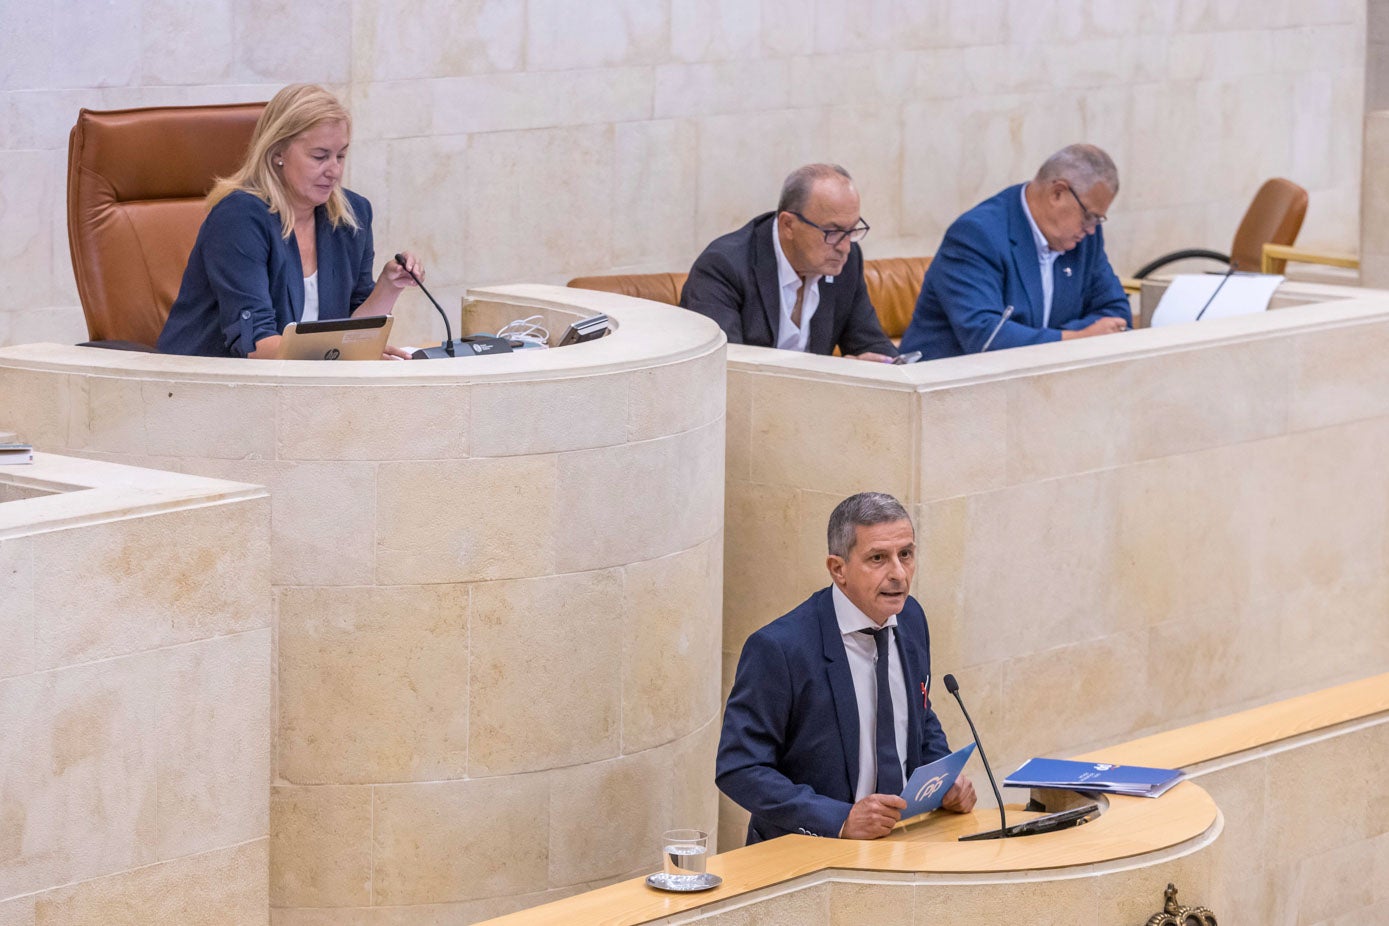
833 236
1090 219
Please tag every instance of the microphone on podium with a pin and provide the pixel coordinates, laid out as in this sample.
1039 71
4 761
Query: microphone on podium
1050 823
445 349
471 346
1234 265
1007 314
953 687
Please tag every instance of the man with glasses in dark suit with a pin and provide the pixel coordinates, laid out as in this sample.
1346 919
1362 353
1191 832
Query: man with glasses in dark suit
1027 266
793 278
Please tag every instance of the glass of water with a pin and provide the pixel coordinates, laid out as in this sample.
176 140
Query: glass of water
685 853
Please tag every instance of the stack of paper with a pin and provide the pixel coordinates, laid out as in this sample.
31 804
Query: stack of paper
16 453
1136 780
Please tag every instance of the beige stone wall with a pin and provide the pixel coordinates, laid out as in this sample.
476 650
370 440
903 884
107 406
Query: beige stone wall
135 698
496 595
1132 532
545 139
1374 201
1306 830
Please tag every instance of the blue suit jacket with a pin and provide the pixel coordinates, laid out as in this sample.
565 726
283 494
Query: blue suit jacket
987 261
244 281
789 749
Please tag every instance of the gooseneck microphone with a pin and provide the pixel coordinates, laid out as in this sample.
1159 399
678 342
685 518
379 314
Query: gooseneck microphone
953 687
1228 273
448 331
1007 314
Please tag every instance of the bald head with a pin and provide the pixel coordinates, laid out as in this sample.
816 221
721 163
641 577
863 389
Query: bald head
800 183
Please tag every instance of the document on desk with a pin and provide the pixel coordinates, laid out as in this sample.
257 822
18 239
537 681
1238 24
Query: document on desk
1221 295
1069 775
929 783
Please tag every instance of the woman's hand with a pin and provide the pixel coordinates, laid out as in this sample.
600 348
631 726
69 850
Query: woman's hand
395 353
395 275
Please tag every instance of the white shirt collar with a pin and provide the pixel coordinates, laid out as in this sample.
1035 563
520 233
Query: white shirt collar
850 618
1043 249
785 273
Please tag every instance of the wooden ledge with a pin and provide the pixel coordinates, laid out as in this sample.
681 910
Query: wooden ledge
927 850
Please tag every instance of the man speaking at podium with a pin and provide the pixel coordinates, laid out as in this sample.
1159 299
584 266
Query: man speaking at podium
830 710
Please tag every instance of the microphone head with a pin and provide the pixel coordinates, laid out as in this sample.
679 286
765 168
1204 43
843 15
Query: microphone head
951 685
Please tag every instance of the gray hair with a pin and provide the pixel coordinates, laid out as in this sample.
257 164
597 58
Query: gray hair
1082 166
864 509
795 192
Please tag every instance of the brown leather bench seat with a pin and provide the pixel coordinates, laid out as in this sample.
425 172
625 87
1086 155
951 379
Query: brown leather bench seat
893 284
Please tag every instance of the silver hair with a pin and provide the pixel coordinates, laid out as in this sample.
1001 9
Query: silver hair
795 192
864 509
1082 166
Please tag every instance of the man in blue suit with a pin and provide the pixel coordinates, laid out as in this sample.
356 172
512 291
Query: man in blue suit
1037 248
830 711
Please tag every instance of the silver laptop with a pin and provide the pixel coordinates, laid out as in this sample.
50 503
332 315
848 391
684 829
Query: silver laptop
338 339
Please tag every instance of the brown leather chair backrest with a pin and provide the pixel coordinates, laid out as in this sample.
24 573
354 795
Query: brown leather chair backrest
658 287
136 183
893 284
1275 217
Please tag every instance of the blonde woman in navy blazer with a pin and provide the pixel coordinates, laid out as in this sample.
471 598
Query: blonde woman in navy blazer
281 219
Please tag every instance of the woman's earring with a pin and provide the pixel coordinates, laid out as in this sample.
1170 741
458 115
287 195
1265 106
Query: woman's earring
280 162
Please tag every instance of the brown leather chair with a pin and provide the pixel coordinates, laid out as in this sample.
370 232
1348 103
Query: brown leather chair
893 284
658 287
136 183
1274 217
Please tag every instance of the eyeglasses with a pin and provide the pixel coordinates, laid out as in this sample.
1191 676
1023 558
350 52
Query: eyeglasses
1088 218
833 236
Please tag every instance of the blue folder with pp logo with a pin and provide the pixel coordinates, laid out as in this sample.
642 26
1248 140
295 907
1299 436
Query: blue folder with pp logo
929 783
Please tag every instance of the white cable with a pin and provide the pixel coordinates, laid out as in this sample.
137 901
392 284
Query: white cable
531 330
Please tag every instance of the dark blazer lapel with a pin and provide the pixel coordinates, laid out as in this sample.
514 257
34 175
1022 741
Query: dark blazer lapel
913 674
841 687
821 340
1065 288
764 270
333 297
295 283
1026 263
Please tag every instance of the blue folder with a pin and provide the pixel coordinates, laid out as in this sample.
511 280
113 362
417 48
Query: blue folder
929 783
1136 780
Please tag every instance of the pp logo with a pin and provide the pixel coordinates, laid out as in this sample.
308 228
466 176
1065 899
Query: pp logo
929 787
332 354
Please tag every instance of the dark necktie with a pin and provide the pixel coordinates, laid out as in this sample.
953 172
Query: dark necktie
889 763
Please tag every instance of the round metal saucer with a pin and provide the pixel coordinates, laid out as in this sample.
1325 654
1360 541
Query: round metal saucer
683 884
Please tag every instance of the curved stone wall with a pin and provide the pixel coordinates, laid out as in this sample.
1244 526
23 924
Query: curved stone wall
497 585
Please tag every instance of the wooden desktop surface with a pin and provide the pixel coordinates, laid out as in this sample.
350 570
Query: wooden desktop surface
1130 826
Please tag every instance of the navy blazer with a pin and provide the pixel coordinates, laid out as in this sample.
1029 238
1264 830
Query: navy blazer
789 749
244 281
735 282
987 261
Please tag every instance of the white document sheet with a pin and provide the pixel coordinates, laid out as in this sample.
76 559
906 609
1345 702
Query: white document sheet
1239 294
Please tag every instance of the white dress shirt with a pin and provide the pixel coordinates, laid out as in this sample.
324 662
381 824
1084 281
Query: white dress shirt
788 336
862 651
1046 257
310 298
